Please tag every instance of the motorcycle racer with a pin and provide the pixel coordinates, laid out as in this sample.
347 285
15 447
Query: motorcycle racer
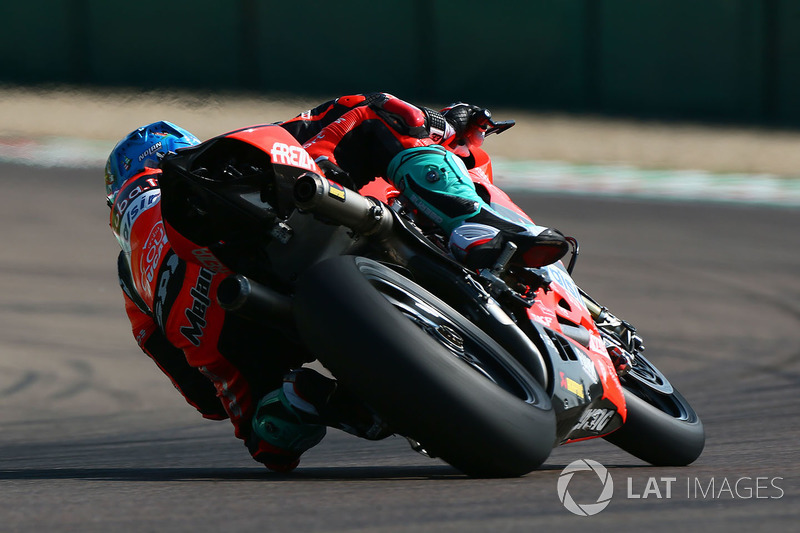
216 360
221 364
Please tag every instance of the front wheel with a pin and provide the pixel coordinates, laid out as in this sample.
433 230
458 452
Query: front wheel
429 372
661 427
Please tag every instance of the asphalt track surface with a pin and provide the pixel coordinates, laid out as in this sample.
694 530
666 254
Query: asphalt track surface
93 438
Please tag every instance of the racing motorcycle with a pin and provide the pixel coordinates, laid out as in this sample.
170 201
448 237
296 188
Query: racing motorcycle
487 369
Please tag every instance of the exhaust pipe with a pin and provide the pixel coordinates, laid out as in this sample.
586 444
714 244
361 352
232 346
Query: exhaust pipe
252 300
340 205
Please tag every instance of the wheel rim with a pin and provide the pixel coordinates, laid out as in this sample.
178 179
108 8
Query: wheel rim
648 383
645 373
457 340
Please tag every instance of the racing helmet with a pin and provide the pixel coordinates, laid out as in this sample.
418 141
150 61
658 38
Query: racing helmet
141 149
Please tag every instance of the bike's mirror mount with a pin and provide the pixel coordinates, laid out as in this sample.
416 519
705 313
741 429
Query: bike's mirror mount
576 250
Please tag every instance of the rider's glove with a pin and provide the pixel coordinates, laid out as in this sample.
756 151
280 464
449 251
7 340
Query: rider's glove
464 117
469 122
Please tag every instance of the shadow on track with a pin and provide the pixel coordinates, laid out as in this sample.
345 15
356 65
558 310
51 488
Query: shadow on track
349 473
233 474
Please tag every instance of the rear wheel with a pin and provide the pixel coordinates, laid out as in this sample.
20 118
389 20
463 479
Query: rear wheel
430 373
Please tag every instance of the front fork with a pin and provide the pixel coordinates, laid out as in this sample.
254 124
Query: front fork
620 337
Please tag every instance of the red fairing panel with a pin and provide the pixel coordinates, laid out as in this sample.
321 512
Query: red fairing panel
279 144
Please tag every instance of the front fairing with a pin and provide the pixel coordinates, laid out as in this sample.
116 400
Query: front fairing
585 389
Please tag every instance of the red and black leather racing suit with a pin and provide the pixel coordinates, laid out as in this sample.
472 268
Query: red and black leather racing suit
362 133
354 138
220 363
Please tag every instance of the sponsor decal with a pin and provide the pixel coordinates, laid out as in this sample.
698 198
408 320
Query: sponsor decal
142 203
196 314
151 255
572 386
170 267
562 278
336 191
478 174
283 154
150 151
594 420
587 364
110 177
138 197
420 204
597 345
209 260
545 315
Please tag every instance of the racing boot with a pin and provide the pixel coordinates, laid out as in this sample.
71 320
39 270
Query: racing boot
478 244
437 183
288 421
293 418
321 401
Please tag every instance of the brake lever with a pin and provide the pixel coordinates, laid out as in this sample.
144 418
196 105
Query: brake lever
499 127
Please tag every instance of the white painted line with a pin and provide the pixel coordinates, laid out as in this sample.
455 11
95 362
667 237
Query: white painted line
627 181
531 176
55 152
